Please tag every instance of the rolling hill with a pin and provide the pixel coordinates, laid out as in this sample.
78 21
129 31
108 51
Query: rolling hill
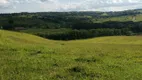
28 57
134 18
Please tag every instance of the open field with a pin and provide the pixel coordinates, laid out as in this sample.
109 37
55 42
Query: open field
28 57
135 18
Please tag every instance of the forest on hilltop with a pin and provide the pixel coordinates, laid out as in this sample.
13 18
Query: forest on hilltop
74 25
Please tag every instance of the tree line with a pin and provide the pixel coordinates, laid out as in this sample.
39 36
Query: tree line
84 34
80 24
89 30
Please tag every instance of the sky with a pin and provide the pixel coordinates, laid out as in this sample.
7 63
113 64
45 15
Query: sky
10 6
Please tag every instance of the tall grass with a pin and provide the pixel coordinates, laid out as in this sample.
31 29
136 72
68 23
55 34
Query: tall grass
27 57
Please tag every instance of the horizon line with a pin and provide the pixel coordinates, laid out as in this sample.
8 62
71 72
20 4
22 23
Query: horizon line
66 11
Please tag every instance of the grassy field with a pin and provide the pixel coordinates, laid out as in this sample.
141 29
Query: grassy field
135 18
28 57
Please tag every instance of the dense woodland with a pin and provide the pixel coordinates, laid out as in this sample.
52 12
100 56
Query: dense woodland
72 25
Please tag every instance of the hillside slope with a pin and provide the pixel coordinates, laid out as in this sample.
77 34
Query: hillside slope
15 37
115 40
126 18
28 57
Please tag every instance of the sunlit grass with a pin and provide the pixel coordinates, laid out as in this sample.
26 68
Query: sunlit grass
28 57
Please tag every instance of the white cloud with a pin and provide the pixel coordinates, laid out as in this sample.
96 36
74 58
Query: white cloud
68 5
100 5
3 1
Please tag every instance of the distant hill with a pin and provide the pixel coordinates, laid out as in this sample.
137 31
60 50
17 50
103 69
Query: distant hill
79 25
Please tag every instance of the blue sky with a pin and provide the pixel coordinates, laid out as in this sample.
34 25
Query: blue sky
67 5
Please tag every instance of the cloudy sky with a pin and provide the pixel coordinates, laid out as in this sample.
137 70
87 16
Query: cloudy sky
67 5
